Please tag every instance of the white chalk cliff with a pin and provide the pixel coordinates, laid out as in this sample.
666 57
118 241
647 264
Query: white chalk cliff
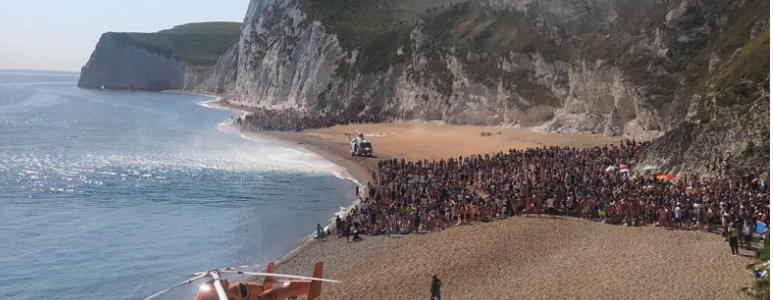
617 67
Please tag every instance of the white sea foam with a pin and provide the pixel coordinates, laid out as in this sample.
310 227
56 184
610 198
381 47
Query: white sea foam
281 157
210 104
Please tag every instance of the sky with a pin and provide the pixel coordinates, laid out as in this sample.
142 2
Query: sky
61 34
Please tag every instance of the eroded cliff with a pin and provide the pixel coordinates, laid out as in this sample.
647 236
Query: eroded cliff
636 68
174 58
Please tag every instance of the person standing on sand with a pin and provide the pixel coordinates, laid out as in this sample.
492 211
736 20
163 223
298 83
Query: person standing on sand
734 239
551 207
662 222
435 288
747 234
320 233
677 216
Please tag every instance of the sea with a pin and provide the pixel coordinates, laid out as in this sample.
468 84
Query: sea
114 194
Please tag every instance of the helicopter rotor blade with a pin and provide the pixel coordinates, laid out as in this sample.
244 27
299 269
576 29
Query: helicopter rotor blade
282 276
200 276
219 288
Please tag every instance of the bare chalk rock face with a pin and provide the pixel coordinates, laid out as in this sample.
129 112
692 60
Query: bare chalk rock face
119 65
178 58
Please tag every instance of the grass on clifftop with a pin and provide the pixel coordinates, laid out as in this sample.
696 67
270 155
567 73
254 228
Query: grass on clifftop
357 21
199 44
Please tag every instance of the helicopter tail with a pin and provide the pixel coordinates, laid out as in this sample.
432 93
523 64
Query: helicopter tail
268 281
316 286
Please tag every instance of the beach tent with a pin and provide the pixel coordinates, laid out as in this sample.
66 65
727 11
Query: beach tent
650 167
624 171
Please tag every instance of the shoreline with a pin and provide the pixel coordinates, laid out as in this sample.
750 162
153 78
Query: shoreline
356 172
359 172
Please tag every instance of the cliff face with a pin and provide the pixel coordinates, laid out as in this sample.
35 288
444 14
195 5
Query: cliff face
636 68
174 58
117 64
221 77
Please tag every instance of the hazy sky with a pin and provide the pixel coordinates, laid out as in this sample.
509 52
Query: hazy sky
60 34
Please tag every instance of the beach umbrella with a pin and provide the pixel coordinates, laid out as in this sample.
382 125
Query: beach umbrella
610 168
755 180
623 166
650 167
670 176
624 171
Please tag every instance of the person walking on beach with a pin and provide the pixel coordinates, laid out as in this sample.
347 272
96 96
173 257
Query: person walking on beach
733 239
435 288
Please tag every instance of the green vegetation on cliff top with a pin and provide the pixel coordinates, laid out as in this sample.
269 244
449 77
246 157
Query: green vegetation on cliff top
356 22
198 44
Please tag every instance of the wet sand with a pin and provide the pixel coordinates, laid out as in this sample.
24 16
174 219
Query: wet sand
520 257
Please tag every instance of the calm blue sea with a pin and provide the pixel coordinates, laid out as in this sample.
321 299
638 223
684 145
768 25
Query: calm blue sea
102 192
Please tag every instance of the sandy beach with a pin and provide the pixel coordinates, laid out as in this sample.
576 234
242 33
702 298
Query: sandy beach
518 257
414 141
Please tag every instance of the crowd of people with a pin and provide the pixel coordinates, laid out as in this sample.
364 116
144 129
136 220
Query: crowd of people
599 183
293 119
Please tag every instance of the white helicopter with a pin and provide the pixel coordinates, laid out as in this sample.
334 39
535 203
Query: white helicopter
360 146
218 288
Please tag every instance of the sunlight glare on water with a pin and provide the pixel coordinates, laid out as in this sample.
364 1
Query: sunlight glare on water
104 191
